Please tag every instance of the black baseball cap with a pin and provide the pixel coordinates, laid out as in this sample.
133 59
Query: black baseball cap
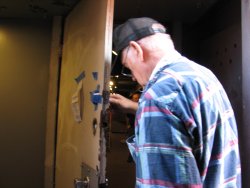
135 29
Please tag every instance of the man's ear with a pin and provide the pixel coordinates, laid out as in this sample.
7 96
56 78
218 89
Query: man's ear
137 48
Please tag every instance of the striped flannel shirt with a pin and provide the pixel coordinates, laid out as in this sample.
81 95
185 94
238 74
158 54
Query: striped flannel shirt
185 130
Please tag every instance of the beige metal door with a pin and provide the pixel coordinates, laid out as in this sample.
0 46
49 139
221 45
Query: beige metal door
83 97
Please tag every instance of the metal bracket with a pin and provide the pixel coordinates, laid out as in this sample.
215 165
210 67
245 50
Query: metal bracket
89 178
105 96
82 183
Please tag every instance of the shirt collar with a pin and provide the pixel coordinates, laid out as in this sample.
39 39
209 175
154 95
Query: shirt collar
165 60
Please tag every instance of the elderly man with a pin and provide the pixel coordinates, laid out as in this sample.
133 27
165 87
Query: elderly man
185 129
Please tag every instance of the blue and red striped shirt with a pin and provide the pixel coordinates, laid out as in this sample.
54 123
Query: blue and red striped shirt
185 130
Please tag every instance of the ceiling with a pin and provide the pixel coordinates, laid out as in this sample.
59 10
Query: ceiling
165 11
35 8
188 11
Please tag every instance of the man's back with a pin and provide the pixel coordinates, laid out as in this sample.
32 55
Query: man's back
186 133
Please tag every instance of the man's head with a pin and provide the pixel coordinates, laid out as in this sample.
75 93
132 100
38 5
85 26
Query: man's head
142 42
135 29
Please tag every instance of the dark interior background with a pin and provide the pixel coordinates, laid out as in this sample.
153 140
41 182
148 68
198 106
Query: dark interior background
188 22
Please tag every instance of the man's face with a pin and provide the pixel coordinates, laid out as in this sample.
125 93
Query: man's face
131 60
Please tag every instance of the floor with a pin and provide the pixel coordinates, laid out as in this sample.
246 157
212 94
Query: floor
120 173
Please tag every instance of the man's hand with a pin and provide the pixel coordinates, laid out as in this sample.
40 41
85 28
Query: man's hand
122 103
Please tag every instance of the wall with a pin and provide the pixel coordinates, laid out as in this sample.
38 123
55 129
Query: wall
215 41
24 64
